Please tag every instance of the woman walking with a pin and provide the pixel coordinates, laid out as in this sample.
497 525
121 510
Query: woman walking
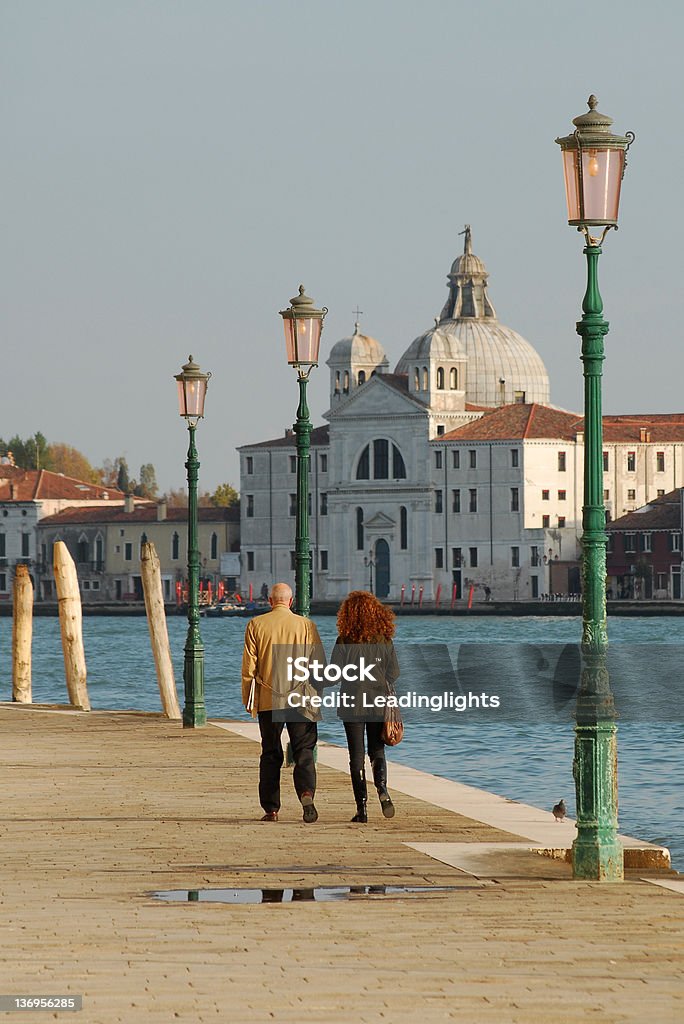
365 629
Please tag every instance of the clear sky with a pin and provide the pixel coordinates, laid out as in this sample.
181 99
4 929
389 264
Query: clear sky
173 169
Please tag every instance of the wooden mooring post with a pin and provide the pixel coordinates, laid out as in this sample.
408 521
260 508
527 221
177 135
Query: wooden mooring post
22 632
159 634
71 626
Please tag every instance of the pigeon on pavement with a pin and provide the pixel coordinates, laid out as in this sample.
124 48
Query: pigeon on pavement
560 810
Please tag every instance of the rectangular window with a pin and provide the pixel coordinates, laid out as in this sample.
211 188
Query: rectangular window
473 557
515 458
438 460
534 556
534 583
439 558
86 584
249 465
561 495
440 429
676 541
630 542
660 493
293 463
605 462
546 522
661 581
515 499
323 462
472 507
561 522
128 551
25 542
456 501
606 495
515 558
456 558
472 455
95 585
545 495
561 462
403 528
293 561
631 495
250 561
645 541
250 506
3 581
519 397
3 546
456 460
293 505
631 462
660 462
438 502
308 504
324 560
324 504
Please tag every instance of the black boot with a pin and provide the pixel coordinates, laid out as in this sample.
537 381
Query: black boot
358 779
380 780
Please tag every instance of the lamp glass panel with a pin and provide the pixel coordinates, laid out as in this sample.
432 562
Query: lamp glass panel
288 325
602 176
303 339
195 390
570 171
181 398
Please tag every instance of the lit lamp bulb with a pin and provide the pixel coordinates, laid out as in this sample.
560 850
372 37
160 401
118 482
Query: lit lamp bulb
593 164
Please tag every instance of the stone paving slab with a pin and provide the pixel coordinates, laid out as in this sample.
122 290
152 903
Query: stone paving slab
100 810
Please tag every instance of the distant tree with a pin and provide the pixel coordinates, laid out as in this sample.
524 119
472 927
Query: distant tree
225 496
65 459
177 498
32 453
122 481
148 481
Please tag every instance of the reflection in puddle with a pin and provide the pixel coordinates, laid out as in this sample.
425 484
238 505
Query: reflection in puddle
320 894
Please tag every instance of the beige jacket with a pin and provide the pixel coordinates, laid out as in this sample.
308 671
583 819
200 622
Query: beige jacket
279 626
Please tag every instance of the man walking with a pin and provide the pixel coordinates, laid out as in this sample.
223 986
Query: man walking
279 627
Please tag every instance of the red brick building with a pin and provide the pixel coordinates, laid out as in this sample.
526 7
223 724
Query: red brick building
644 559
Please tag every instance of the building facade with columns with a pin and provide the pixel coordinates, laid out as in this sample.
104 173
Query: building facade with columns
451 470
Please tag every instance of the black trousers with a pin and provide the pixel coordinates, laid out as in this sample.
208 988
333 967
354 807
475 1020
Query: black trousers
303 736
355 742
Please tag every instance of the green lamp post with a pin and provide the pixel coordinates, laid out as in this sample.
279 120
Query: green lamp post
192 389
594 161
303 327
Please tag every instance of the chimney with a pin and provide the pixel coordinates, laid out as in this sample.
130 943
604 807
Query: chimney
129 504
161 510
642 434
12 491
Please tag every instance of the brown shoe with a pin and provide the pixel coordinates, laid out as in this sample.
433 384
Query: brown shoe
310 813
270 816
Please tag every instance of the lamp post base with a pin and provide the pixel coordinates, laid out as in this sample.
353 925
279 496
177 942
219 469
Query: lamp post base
194 712
598 859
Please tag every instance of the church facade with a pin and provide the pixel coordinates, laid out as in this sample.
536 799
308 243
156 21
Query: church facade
451 471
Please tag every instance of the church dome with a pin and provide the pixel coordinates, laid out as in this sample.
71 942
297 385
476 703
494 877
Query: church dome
358 349
501 367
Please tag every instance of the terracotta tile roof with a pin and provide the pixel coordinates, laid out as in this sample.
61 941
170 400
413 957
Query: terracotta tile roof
663 513
657 428
515 422
143 513
319 436
35 484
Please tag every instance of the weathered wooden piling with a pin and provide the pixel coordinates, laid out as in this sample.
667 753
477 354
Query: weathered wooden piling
22 632
159 635
71 626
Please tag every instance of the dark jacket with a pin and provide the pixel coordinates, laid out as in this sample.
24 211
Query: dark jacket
378 655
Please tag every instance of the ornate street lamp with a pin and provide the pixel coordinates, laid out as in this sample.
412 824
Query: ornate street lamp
369 562
594 161
303 327
192 389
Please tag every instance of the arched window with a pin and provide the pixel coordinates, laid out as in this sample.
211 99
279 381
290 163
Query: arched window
82 549
403 528
416 379
453 378
374 462
337 382
362 376
346 382
214 546
440 378
99 551
175 547
426 379
359 529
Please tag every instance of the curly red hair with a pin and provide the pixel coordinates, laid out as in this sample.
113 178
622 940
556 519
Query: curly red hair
364 619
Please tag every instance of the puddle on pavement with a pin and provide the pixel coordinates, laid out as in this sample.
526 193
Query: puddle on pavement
319 894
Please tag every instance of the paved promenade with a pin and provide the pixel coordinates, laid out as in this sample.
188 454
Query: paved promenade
99 810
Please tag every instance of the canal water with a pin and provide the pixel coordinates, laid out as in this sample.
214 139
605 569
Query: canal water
521 757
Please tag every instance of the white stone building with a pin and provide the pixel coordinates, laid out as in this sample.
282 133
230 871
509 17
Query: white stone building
453 470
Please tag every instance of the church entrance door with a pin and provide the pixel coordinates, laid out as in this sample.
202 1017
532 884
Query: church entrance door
382 568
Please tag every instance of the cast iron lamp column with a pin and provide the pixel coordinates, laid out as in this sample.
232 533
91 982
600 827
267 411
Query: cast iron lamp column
594 162
303 327
369 562
192 389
